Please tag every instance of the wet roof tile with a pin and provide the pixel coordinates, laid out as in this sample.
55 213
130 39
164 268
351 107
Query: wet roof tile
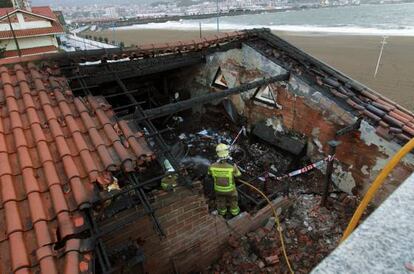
391 117
53 148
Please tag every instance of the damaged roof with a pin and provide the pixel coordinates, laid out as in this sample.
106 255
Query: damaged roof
56 149
391 119
55 152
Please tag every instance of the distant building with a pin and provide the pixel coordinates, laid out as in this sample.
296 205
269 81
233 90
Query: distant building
28 31
111 12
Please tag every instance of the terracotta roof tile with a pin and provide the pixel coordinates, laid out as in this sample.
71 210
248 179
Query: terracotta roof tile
54 29
371 115
386 113
42 10
398 113
31 51
404 137
408 130
399 117
53 147
393 121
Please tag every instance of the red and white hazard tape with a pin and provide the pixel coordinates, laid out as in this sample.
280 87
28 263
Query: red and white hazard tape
302 170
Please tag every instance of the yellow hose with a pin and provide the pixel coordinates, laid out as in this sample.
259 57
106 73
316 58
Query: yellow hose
375 186
282 241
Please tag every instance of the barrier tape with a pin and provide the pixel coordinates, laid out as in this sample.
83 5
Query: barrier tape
302 170
242 130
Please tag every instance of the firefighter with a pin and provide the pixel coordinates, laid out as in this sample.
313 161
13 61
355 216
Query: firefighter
224 174
169 182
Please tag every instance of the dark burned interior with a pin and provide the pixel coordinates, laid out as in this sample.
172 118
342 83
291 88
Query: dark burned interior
144 91
148 92
137 89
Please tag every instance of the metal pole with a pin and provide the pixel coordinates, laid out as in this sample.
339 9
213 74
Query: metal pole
380 55
218 17
329 169
113 32
14 36
199 23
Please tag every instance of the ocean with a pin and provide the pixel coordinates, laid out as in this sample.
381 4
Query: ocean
385 19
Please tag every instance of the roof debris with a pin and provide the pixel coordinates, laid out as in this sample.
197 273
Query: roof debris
311 233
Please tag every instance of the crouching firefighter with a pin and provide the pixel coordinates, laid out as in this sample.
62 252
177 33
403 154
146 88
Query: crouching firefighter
169 182
224 174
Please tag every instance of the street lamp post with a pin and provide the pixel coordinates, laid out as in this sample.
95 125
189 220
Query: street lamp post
218 17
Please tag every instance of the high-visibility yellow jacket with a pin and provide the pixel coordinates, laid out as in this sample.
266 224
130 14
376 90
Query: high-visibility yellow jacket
169 182
223 175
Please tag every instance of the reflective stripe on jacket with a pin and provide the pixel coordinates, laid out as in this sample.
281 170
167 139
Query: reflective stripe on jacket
223 175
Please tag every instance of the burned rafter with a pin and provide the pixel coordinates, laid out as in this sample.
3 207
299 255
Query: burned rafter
147 124
158 145
67 59
100 249
187 104
145 202
133 69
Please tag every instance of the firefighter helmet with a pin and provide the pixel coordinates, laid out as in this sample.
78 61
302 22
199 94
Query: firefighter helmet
222 151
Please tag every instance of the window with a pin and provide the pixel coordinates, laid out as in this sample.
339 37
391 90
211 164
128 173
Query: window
219 80
265 95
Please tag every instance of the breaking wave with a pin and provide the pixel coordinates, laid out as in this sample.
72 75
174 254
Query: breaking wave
342 29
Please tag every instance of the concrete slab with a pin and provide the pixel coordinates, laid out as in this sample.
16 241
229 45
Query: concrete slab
383 243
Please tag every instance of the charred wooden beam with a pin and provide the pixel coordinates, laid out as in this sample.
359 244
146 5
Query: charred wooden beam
98 74
67 59
187 104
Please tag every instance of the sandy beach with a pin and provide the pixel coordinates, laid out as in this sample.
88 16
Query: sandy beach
355 55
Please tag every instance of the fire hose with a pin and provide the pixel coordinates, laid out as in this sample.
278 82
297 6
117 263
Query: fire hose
277 221
389 167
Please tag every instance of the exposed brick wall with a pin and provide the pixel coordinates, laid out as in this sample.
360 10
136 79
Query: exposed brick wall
309 110
194 237
301 114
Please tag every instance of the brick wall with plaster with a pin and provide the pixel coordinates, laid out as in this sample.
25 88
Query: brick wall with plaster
194 237
303 107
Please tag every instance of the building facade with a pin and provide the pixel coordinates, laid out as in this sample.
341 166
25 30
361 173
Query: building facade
29 31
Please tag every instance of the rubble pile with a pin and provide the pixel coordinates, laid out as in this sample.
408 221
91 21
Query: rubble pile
257 252
313 231
310 231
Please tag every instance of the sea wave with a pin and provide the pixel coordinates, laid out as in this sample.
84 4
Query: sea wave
337 29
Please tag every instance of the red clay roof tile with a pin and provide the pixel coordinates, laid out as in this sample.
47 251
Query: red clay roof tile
404 137
53 147
402 114
372 115
401 118
386 113
393 121
409 130
382 106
